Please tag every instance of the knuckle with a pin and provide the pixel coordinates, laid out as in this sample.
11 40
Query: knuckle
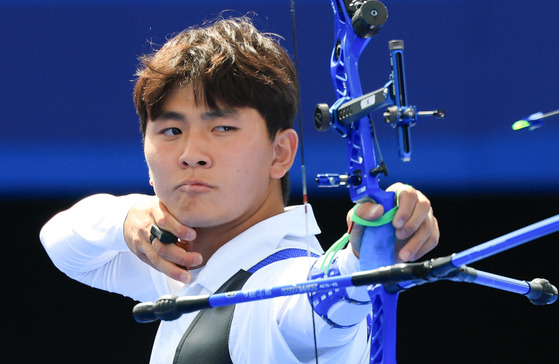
406 194
136 241
424 203
412 227
161 221
155 260
433 242
161 249
404 215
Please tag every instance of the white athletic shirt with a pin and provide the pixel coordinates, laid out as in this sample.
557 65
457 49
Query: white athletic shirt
86 242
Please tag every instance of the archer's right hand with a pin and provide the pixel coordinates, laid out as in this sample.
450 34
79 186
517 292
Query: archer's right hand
170 259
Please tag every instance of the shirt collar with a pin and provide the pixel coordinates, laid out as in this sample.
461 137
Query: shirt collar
289 229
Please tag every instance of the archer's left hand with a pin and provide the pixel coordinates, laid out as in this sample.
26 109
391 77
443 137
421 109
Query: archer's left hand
416 228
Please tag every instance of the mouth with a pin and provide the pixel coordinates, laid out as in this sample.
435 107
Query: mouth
195 186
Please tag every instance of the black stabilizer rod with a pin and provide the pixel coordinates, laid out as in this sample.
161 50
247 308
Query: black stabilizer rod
404 276
395 278
539 291
169 307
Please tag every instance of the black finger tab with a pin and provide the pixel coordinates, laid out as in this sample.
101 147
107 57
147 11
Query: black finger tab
162 235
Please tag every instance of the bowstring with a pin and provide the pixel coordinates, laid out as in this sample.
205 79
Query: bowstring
303 169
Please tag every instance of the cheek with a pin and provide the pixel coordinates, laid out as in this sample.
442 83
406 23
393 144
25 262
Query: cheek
149 156
254 170
155 163
252 161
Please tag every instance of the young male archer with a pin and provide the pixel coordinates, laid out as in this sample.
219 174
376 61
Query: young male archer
216 107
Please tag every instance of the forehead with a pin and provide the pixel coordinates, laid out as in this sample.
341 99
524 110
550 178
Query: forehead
181 104
181 97
192 97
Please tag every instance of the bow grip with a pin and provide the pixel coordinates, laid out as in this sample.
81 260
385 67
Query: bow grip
378 241
377 247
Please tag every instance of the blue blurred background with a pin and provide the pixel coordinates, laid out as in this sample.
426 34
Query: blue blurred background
68 128
69 125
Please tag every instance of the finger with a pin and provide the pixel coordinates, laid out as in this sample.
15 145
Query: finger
424 240
407 199
431 243
165 266
369 211
413 216
165 220
178 254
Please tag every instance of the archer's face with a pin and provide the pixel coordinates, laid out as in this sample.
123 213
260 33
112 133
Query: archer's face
212 167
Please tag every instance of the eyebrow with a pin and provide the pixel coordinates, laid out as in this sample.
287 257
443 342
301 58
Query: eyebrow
170 115
208 115
220 113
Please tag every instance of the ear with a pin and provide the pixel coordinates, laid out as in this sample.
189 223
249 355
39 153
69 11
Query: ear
285 148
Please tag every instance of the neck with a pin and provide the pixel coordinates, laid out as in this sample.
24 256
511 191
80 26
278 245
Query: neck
210 239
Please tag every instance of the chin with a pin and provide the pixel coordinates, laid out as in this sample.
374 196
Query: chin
186 213
194 220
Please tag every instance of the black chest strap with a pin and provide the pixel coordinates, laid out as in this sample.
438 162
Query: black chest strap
206 341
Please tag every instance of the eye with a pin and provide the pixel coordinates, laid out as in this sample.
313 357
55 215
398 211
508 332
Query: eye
171 131
224 128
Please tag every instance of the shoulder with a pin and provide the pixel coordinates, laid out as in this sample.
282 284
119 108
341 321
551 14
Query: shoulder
288 271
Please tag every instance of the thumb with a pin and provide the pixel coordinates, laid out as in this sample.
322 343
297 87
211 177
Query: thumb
369 211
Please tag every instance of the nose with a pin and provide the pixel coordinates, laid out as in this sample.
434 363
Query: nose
195 151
